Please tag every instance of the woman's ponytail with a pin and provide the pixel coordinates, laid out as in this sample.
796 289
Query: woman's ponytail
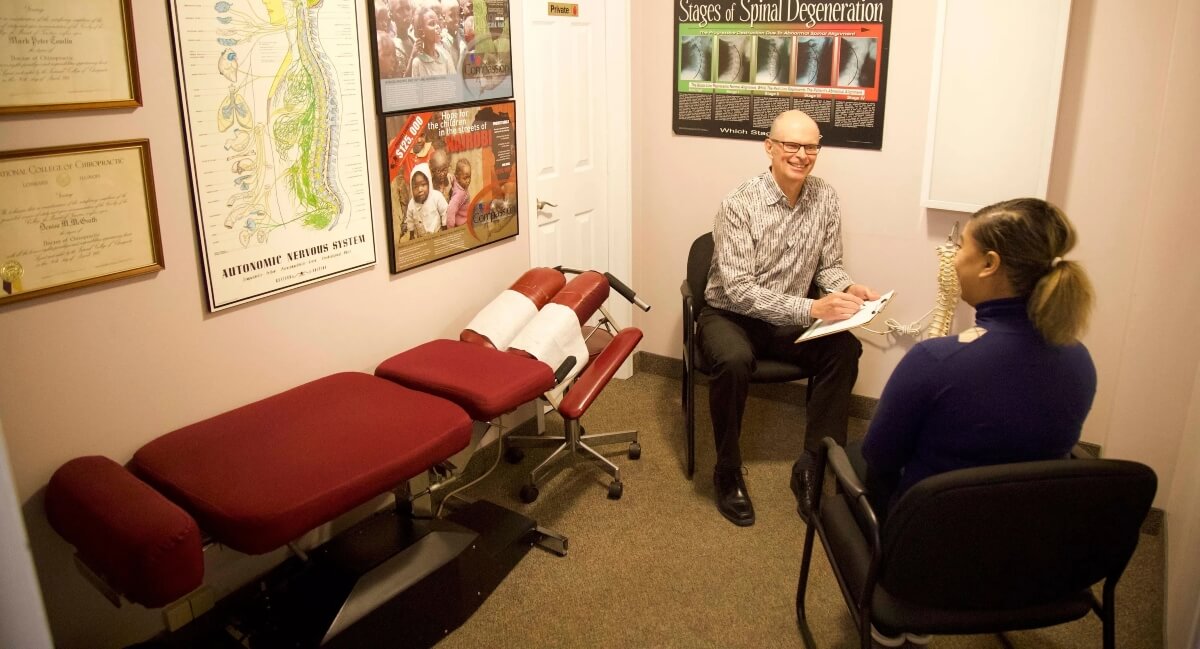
1032 237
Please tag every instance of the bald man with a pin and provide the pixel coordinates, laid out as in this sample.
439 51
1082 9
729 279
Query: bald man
775 236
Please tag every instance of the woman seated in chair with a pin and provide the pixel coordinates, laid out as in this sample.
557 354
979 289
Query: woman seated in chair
1015 387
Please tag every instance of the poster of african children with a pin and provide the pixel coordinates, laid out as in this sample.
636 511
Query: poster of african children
452 175
436 52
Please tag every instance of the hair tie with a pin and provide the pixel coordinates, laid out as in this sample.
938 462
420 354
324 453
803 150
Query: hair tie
1055 262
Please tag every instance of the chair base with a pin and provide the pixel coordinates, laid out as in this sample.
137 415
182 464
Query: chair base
574 443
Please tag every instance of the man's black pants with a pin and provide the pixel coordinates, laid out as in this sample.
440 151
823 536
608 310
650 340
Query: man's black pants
732 342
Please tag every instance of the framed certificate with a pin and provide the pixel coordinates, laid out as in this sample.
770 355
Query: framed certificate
58 55
75 216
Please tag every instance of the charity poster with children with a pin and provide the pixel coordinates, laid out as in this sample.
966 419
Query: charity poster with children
452 178
441 52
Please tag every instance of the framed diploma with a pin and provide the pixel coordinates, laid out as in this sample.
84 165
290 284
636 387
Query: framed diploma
75 216
58 55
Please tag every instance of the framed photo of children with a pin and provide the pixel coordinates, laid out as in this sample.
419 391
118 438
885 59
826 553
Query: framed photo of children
439 52
452 179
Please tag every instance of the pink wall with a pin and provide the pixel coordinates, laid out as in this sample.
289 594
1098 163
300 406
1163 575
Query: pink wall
1123 169
104 369
1127 204
679 182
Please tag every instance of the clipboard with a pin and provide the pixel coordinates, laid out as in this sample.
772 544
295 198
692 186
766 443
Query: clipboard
864 316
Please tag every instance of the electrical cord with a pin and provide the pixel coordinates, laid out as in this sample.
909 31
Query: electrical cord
495 463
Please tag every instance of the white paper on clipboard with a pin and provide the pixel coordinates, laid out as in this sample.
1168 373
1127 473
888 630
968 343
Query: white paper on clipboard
866 314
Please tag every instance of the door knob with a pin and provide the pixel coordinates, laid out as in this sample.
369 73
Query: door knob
541 204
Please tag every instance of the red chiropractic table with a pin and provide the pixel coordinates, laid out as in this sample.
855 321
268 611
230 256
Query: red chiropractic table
261 476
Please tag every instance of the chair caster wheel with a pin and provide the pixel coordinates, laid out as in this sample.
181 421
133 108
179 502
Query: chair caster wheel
514 455
635 450
529 493
614 490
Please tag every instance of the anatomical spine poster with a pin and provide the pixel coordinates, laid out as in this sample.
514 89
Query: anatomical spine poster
739 63
273 111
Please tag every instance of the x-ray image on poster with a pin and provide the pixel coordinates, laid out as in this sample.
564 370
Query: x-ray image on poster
438 52
739 63
452 178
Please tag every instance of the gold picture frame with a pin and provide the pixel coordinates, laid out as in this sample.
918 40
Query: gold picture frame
75 216
59 56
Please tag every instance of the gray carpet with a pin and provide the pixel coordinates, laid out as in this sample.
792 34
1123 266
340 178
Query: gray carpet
661 568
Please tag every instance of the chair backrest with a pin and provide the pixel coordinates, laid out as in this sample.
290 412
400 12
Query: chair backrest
1014 535
699 261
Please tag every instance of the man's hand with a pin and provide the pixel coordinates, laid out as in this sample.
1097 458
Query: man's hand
836 306
862 291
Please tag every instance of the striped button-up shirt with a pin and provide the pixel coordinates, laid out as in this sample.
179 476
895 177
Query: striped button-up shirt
767 253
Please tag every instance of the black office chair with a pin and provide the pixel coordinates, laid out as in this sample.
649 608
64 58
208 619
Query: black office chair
692 289
981 550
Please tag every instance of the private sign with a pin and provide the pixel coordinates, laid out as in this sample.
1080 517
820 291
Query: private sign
562 9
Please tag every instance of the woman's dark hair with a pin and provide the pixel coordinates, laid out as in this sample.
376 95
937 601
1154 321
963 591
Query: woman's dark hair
1031 237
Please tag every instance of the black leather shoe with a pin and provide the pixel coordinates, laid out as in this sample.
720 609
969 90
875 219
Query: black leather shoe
804 483
733 500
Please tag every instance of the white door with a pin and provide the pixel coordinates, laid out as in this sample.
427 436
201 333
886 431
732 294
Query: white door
576 90
577 124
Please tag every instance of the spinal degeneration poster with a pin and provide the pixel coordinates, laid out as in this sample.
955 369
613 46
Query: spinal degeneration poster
739 63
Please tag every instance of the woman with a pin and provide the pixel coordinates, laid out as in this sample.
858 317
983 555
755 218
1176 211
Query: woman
1015 387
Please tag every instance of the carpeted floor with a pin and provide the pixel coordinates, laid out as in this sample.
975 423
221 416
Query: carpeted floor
661 568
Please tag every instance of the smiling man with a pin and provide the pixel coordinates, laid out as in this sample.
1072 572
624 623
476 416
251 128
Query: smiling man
775 236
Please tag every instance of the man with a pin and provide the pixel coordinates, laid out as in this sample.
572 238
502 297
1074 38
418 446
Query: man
774 236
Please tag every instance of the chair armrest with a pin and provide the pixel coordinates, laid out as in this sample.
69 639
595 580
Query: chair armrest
834 455
1080 452
689 320
842 470
848 480
597 374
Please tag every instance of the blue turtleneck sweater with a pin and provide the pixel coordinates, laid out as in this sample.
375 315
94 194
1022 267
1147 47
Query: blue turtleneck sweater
994 394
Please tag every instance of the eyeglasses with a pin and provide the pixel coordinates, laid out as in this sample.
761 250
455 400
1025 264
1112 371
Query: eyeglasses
794 147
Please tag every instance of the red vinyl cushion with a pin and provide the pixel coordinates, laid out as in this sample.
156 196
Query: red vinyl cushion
147 548
539 285
485 382
584 294
266 473
598 373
